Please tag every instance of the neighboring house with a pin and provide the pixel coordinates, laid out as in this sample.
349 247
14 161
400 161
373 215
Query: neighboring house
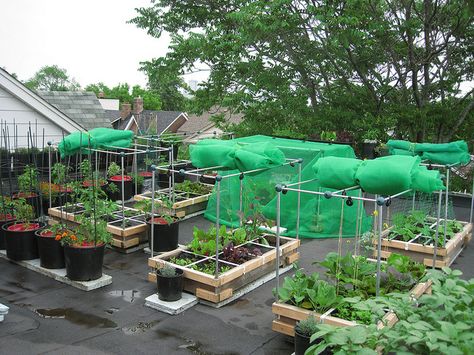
201 126
82 107
144 122
22 108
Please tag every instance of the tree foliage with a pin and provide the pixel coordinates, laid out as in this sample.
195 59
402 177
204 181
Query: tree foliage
122 92
313 65
52 78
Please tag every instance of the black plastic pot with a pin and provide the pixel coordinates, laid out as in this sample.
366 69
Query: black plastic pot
170 288
368 150
128 185
51 252
301 343
21 245
165 236
84 263
2 232
34 201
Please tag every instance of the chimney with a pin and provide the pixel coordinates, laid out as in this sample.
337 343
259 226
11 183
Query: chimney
125 111
101 95
137 105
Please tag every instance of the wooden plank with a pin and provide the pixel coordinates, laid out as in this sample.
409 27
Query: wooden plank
388 320
125 244
213 297
290 259
283 328
129 231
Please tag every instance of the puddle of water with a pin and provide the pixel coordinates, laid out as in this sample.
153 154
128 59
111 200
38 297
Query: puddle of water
127 295
112 310
80 318
141 327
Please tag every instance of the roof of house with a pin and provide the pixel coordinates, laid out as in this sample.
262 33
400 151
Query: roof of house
159 119
82 107
113 115
199 123
38 103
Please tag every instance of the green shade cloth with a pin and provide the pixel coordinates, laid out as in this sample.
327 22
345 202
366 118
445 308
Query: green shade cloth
233 155
94 139
443 153
319 217
383 176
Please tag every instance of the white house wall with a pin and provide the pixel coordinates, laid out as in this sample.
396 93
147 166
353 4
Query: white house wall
14 112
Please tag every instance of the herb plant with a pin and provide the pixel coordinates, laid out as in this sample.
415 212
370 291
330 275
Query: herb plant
113 169
28 181
307 327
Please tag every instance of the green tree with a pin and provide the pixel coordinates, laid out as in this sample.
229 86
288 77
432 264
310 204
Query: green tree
313 65
52 78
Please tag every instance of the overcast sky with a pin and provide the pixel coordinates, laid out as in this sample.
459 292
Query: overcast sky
88 38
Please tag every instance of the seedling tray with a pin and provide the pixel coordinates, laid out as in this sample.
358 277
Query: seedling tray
288 315
421 248
186 204
216 290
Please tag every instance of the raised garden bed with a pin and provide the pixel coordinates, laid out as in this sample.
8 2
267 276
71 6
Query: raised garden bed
199 270
419 245
126 234
288 315
186 203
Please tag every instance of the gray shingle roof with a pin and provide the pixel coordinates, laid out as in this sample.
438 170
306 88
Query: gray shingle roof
158 119
112 114
82 107
203 122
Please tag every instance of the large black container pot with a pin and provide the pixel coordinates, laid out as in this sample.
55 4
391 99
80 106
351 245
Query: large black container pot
4 219
165 236
21 242
51 252
84 263
128 186
170 288
368 149
302 343
32 198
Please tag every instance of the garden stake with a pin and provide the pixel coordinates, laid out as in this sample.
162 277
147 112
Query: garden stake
298 206
446 205
49 173
152 207
379 244
437 228
122 155
218 202
277 271
241 191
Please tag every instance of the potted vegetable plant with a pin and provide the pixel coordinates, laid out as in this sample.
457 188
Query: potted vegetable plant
169 281
51 252
84 247
115 179
303 331
165 227
60 192
20 237
89 178
7 214
138 180
27 189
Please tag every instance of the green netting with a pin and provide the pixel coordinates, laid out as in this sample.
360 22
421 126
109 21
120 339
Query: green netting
95 138
443 153
319 217
384 176
235 155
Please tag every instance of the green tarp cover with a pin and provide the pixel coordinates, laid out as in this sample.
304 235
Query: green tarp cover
383 176
319 217
442 153
233 155
95 138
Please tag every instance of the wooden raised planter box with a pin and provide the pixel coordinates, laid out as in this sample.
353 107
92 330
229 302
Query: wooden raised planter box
423 253
186 203
122 238
288 315
215 290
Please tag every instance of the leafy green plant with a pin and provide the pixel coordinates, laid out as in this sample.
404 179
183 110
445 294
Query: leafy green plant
28 181
7 207
169 139
59 173
85 168
113 169
307 327
210 267
204 242
329 136
23 211
193 187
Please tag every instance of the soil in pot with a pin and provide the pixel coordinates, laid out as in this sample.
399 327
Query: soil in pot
4 218
84 262
128 186
170 288
51 252
165 236
20 240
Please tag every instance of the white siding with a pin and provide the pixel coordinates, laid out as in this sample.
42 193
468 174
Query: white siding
16 113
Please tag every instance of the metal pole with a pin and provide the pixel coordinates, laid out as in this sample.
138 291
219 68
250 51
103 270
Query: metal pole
135 169
446 205
96 170
152 221
379 249
277 245
172 168
435 251
241 209
298 204
123 189
49 166
413 201
218 202
472 199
